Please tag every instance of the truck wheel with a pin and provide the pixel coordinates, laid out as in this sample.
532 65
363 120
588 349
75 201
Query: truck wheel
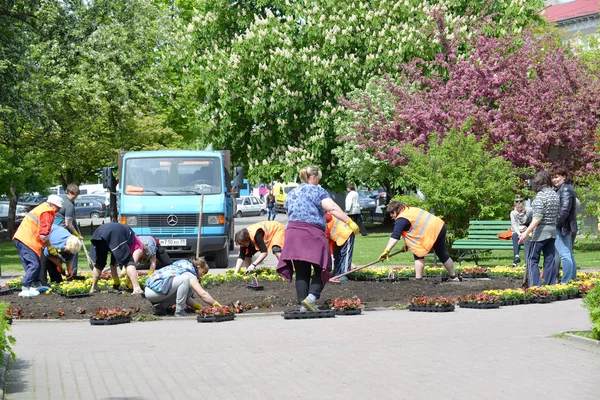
222 258
231 245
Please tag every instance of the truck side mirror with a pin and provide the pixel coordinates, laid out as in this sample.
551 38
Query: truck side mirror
239 177
108 179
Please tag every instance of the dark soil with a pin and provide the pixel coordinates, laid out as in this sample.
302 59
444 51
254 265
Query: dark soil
276 296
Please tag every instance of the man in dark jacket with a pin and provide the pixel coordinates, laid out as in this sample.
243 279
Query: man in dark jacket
566 224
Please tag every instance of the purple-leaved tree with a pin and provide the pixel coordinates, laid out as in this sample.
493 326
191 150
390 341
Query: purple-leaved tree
533 98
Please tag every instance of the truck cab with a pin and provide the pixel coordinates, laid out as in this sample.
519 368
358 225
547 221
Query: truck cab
160 194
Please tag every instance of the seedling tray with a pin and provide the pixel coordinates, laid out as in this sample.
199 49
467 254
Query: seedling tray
4 292
356 311
308 314
431 308
218 318
543 300
481 306
255 287
115 321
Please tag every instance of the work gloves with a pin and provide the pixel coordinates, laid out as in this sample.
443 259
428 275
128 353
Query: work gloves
352 225
52 251
216 304
384 256
251 268
78 236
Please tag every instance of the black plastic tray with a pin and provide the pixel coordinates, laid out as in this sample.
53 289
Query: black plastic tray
74 296
308 314
356 311
481 306
255 287
115 321
5 292
212 318
431 308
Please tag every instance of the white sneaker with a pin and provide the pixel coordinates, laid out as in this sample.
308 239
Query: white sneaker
28 292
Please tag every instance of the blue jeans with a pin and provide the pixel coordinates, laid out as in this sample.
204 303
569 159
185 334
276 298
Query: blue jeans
271 213
533 262
516 245
31 264
564 247
342 256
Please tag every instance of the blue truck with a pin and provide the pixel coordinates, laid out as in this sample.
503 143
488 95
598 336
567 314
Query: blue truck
160 192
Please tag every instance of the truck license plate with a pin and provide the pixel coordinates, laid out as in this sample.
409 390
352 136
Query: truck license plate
173 242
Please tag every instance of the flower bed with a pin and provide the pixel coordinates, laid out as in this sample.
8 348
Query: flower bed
474 272
482 300
112 316
351 306
216 314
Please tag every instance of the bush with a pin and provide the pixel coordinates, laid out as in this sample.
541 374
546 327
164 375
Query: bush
6 341
461 180
591 301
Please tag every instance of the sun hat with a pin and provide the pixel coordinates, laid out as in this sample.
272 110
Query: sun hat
56 200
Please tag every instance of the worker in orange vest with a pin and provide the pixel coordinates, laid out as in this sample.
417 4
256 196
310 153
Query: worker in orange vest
341 243
421 231
33 234
261 237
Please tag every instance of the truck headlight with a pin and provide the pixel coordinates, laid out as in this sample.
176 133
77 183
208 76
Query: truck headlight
216 220
131 220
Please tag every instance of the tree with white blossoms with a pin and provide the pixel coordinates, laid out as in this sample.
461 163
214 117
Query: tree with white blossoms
267 75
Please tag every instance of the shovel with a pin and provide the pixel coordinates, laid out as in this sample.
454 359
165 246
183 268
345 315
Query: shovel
335 278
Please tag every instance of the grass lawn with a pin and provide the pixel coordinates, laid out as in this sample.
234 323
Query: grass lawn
368 248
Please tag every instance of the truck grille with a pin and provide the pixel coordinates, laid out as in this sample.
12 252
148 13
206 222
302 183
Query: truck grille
176 222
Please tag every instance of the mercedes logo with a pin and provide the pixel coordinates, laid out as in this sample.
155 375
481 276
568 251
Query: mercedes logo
172 220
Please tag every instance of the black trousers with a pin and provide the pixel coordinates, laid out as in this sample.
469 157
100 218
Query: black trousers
162 258
357 218
47 267
303 284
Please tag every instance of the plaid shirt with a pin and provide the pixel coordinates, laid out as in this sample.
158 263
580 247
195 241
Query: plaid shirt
545 206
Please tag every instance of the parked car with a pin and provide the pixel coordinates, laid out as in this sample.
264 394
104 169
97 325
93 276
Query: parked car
22 210
366 202
249 205
89 208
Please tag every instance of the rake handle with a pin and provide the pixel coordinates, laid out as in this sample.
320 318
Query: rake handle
365 266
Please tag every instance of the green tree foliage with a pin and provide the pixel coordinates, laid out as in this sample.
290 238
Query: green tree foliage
6 341
461 180
267 74
591 301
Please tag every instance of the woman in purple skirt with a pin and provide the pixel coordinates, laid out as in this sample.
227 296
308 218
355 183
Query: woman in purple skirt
306 246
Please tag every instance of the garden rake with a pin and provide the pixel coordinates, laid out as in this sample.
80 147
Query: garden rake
335 278
87 255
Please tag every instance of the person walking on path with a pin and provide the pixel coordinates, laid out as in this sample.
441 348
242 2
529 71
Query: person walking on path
520 218
175 284
341 244
566 224
353 208
271 206
421 232
124 247
306 246
152 253
32 235
67 245
66 216
264 237
543 231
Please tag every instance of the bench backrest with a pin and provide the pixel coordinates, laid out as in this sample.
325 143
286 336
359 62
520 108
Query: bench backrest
487 229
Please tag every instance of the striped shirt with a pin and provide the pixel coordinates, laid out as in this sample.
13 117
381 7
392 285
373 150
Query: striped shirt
545 208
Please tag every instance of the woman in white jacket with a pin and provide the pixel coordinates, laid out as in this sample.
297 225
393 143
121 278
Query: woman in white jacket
353 208
520 218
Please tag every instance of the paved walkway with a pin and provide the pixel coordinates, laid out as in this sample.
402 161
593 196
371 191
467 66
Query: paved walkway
469 354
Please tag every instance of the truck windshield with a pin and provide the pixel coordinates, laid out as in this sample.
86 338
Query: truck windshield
166 176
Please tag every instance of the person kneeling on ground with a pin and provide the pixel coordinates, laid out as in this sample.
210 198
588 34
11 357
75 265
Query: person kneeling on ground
421 232
266 236
152 253
341 243
124 247
174 283
67 245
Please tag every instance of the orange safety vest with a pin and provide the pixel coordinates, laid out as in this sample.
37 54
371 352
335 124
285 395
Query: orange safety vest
29 230
424 230
337 232
274 233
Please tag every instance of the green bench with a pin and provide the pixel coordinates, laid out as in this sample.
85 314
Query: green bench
483 236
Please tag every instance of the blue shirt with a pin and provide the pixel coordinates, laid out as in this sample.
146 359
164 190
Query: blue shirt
304 205
58 238
160 281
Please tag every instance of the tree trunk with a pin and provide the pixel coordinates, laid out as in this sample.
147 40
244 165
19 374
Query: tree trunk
12 209
113 202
